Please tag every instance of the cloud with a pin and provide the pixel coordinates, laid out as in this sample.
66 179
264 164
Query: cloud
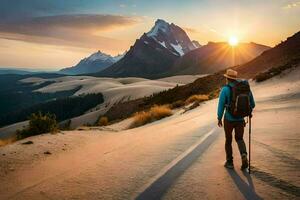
190 30
197 31
76 30
42 25
292 5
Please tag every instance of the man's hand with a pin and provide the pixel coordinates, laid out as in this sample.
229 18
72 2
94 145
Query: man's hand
220 123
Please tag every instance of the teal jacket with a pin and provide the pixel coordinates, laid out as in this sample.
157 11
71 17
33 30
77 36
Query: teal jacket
224 100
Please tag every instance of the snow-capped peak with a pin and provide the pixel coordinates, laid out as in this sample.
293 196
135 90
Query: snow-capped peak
98 56
178 48
171 37
160 25
103 57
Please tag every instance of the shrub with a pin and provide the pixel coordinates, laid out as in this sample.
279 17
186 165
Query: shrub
177 104
214 94
141 118
155 113
199 98
159 112
38 124
103 121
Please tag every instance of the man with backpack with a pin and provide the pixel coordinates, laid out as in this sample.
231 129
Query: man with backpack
236 97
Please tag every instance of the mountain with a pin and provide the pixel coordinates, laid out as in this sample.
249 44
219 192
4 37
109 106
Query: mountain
23 71
153 54
14 71
94 63
216 56
172 37
284 55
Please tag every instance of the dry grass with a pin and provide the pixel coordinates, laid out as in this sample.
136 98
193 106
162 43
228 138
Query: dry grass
199 98
155 113
103 121
4 142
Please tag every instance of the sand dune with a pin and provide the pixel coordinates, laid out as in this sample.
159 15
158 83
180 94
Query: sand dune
91 163
7 131
113 89
94 85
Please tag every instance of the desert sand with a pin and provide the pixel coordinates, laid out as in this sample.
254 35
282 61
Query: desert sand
179 157
113 89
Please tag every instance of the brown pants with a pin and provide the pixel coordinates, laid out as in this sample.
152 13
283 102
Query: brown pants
239 133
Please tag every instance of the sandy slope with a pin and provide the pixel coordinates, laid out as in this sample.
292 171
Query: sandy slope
8 131
119 165
113 89
94 84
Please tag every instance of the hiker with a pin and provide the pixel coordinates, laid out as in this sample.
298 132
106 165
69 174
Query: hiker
236 97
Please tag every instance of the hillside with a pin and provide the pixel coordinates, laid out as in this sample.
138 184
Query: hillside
63 108
205 85
15 95
177 156
208 85
285 53
216 56
68 97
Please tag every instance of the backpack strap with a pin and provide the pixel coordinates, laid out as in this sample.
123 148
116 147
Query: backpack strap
227 105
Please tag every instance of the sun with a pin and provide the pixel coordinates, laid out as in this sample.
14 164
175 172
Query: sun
233 41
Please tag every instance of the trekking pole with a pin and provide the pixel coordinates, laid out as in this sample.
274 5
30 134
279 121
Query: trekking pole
249 144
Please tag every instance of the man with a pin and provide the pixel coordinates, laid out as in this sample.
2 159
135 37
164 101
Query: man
232 122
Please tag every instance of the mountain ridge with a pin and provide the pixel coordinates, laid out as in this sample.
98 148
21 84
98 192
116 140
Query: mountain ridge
216 56
94 63
281 54
153 54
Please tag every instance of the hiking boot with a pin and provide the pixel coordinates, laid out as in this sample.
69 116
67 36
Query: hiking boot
229 164
244 162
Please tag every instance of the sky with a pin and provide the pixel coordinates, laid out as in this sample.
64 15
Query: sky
53 34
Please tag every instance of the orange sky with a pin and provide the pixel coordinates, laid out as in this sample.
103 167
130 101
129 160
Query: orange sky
63 34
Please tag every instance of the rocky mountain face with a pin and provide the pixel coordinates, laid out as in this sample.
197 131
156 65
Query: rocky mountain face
94 63
216 56
282 55
154 54
172 37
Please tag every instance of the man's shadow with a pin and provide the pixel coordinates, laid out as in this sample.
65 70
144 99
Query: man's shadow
247 189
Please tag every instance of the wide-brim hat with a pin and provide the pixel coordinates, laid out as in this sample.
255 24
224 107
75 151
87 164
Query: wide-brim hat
231 74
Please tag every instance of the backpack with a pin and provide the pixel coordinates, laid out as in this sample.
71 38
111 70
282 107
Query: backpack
239 105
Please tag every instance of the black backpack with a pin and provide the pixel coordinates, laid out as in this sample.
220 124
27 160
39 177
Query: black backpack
239 105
